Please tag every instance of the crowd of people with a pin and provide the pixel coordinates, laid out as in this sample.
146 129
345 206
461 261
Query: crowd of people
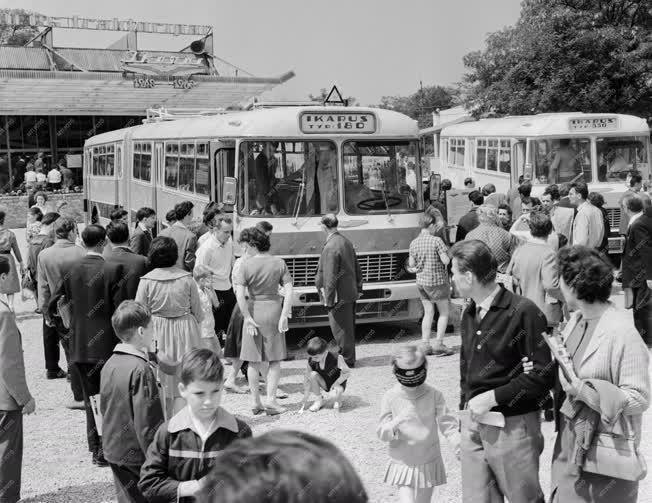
156 329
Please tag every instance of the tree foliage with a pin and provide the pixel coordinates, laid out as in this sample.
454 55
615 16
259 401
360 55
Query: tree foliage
15 34
323 94
566 55
422 103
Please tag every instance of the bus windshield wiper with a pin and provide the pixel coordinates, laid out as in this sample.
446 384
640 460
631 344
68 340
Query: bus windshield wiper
302 190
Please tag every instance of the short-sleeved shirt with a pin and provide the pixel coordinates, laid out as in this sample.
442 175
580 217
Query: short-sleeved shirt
425 250
262 275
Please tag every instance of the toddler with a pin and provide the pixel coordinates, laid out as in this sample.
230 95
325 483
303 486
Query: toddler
410 413
208 302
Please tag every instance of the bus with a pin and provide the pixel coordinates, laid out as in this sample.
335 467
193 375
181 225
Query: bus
288 166
598 149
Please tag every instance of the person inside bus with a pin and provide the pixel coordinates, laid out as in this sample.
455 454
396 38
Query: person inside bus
469 183
565 166
266 164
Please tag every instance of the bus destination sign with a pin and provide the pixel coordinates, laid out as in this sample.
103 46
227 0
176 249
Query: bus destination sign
592 124
337 122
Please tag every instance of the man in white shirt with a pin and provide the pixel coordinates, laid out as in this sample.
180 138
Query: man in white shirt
54 178
588 227
30 177
216 253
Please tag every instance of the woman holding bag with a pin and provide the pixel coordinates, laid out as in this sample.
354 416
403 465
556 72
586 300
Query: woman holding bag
605 401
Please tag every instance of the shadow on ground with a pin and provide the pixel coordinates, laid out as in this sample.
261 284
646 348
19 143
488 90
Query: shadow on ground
99 492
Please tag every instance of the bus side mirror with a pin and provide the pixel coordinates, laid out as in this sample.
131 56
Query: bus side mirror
435 184
229 190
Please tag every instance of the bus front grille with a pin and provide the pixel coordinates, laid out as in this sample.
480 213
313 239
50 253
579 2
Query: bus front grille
613 214
376 268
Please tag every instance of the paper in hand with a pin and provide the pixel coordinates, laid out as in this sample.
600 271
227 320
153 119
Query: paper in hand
559 352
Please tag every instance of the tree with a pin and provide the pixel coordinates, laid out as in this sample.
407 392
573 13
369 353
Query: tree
421 104
323 94
566 55
16 34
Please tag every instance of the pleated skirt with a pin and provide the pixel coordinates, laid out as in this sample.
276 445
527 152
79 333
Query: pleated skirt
418 476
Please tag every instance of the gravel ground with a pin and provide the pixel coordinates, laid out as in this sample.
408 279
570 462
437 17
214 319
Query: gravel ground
57 467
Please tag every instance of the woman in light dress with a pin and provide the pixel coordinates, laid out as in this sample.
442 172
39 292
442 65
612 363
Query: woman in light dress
173 298
265 316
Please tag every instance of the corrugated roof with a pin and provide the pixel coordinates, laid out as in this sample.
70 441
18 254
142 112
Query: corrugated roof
24 58
92 60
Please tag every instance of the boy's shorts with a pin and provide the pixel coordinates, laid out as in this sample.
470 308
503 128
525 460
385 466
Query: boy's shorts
434 293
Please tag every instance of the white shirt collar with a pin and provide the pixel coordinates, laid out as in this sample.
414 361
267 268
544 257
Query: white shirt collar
94 253
143 227
485 305
634 218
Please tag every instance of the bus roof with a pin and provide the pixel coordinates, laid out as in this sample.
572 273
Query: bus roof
545 125
279 122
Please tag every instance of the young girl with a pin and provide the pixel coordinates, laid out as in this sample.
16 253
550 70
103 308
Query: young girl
34 217
209 302
324 371
410 414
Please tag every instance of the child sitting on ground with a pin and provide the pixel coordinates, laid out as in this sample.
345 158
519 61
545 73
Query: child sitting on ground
410 413
184 450
324 371
209 301
129 400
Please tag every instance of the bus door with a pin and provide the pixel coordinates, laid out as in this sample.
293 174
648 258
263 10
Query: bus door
223 165
121 191
518 161
158 164
86 184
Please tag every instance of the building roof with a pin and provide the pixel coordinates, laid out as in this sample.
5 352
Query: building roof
92 60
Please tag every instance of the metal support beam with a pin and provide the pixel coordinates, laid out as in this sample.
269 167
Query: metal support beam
69 61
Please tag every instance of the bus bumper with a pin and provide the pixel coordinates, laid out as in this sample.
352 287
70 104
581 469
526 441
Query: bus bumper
380 302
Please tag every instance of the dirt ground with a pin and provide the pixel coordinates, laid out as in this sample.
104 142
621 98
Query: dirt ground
57 467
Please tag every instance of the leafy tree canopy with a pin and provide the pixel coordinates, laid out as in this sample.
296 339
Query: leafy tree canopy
15 34
421 104
566 55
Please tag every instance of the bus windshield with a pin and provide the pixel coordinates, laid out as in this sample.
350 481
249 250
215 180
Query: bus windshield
559 160
288 178
622 155
381 176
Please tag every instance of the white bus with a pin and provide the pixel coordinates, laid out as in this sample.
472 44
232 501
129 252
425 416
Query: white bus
289 166
599 149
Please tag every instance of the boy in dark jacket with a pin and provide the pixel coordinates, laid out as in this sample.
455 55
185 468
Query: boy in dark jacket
184 450
129 400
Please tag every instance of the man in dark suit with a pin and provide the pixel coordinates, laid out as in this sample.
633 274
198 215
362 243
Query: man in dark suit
637 264
339 281
185 239
52 264
141 239
93 289
135 266
470 221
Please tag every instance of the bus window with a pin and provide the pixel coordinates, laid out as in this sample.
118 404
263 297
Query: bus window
288 178
381 176
562 160
494 155
187 167
142 161
171 175
202 170
103 160
620 156
456 151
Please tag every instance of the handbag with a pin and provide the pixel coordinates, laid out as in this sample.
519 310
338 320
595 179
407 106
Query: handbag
27 281
615 456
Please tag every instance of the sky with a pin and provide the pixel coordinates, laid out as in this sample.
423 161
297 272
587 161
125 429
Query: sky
368 48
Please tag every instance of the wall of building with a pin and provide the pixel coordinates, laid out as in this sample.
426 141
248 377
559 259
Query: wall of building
15 207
